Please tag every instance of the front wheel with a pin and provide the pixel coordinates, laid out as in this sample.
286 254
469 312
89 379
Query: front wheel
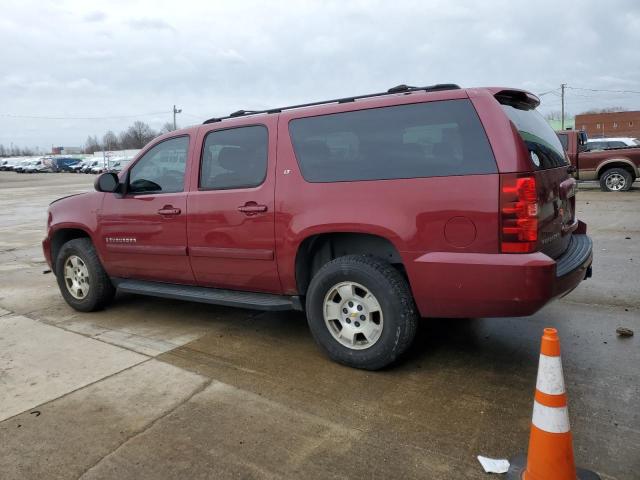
361 312
616 180
83 282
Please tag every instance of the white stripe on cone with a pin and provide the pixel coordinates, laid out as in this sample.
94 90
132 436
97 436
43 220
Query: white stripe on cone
550 376
550 419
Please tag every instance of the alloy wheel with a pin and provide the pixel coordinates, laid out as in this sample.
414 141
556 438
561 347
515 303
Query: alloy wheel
353 315
76 277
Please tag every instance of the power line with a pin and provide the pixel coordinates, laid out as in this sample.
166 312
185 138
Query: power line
51 117
555 90
604 90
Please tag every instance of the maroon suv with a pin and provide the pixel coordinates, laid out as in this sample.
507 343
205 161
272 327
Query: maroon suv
366 212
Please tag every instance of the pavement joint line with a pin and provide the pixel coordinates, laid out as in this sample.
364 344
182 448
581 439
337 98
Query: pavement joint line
86 335
141 431
79 388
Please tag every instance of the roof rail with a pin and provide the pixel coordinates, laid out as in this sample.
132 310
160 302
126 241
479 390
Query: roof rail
397 89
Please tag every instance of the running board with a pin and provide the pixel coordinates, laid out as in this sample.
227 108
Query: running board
215 296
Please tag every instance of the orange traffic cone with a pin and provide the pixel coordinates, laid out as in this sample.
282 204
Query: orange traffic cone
550 454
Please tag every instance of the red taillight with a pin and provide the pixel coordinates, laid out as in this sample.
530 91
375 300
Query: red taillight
518 214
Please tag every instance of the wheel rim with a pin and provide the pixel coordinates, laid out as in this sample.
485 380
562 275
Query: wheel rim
353 315
76 277
615 181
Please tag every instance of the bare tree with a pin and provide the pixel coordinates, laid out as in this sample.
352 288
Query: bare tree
166 128
110 141
606 110
137 135
142 133
555 115
91 145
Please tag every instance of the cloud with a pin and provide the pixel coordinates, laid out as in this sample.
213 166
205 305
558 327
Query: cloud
91 55
95 16
149 24
222 56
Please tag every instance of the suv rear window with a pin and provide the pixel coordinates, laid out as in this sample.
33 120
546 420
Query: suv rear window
543 143
432 139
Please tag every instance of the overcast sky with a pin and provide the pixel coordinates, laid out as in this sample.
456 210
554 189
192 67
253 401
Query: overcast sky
135 59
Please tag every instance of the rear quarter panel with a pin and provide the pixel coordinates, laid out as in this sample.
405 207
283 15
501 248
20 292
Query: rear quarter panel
410 213
508 148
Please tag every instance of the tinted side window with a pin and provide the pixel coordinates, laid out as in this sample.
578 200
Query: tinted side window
564 140
161 169
418 140
234 158
616 144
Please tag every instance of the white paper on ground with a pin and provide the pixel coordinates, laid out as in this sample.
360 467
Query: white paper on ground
494 465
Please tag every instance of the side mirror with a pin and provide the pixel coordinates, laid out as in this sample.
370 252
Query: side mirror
582 140
107 182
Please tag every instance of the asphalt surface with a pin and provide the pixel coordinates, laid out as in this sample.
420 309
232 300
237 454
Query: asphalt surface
153 388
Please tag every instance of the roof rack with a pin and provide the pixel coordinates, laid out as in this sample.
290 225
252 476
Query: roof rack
397 89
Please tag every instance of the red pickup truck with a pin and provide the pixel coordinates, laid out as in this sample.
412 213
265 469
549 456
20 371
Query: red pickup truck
616 169
366 212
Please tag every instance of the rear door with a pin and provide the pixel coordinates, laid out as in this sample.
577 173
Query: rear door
556 188
231 209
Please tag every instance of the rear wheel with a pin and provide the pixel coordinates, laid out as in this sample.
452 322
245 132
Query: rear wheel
361 312
83 282
616 180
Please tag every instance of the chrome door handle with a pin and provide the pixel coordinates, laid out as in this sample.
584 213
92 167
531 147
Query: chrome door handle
251 208
169 210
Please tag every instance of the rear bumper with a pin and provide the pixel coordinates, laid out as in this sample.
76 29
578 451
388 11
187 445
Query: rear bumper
447 284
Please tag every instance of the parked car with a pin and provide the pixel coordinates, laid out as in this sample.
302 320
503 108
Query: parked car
118 165
41 165
90 165
366 212
23 165
616 169
9 163
611 143
100 168
64 164
77 168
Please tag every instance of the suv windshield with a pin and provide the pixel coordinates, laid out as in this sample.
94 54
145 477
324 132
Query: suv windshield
544 146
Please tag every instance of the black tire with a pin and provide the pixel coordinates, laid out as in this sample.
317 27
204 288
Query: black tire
396 304
616 173
100 291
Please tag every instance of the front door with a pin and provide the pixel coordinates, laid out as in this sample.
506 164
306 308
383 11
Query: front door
231 213
145 230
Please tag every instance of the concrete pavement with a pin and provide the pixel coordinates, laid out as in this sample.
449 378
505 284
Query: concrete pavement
153 388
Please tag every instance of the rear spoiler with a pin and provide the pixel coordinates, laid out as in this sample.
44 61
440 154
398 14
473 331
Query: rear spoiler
517 99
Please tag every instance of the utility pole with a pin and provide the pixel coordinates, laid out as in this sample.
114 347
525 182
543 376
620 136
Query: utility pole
562 87
175 110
